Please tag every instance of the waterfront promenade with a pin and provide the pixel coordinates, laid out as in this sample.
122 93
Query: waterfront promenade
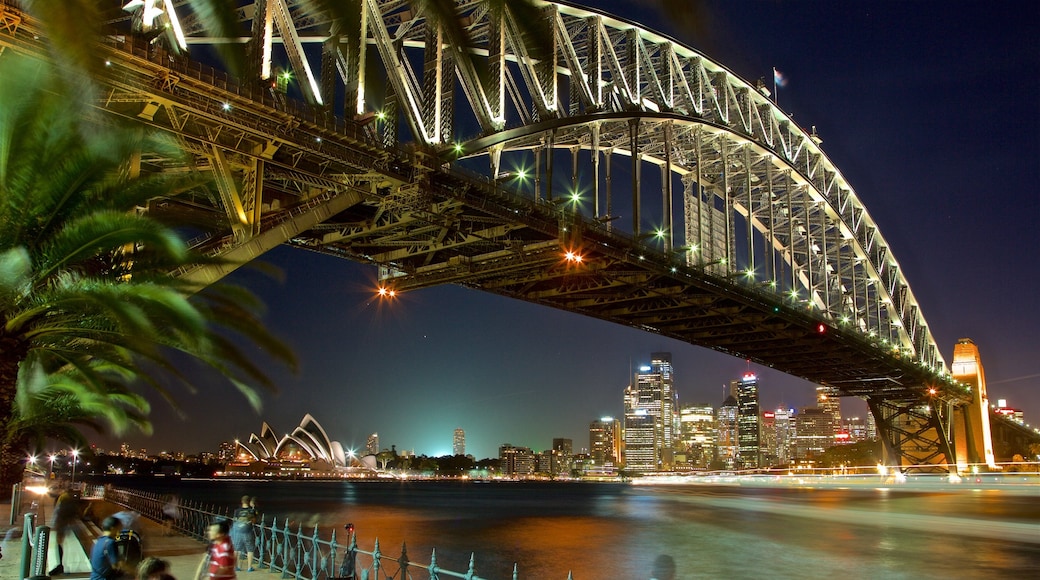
182 552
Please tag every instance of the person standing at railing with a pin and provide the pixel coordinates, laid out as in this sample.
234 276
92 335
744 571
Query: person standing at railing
243 534
171 512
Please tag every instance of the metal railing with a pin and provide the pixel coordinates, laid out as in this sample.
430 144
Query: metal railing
292 551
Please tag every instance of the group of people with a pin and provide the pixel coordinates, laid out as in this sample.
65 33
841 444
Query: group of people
229 539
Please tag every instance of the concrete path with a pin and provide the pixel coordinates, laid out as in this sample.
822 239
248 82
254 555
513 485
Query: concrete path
183 553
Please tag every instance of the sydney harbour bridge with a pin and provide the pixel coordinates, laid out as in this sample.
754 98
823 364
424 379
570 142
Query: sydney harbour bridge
564 157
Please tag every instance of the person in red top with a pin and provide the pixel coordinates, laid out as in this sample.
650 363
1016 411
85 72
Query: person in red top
221 554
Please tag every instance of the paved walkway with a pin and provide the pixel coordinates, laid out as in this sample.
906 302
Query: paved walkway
183 553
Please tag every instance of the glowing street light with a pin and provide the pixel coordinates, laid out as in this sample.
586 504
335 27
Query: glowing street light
385 292
50 470
575 257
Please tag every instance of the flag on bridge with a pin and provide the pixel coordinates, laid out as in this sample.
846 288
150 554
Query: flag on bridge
779 80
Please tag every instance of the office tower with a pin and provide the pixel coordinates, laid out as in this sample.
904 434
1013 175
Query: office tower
605 441
726 427
641 448
827 399
697 434
515 460
372 445
458 442
564 456
767 429
783 428
749 436
655 396
814 432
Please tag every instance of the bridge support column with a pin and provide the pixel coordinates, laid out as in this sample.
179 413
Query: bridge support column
971 422
914 434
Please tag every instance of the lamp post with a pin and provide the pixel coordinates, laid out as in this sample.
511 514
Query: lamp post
50 470
75 454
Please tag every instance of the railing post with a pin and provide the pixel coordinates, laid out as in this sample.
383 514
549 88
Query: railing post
402 570
27 535
39 553
261 543
472 566
516 571
432 569
16 502
375 559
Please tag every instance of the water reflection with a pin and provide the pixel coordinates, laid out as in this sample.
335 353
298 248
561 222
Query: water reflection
601 531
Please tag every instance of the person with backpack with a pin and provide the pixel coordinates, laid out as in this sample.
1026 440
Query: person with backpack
104 557
243 534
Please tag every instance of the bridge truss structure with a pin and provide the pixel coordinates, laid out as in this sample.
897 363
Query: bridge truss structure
608 171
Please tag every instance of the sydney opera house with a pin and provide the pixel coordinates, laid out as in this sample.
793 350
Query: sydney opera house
305 452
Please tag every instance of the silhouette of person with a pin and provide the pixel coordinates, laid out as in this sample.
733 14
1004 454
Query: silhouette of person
663 568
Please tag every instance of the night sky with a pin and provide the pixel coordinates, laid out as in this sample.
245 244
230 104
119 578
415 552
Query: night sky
930 109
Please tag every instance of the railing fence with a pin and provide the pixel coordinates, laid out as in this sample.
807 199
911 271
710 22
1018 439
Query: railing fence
294 552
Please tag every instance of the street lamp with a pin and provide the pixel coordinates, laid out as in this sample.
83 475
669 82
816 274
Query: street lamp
75 454
50 470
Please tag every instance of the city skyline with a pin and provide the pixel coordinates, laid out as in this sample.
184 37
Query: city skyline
432 360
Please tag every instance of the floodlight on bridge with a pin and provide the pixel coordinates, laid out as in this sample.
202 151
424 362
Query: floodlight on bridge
385 292
574 257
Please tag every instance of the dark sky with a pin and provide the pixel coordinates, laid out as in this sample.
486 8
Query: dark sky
930 109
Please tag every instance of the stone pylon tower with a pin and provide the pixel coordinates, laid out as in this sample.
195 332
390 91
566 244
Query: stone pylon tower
973 437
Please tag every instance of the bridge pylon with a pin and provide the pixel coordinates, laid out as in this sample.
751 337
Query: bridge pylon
972 431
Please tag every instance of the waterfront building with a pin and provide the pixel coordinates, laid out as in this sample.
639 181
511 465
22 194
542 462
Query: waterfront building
697 436
749 436
641 453
306 451
605 441
655 397
783 435
372 445
814 432
726 429
857 428
458 442
564 449
827 399
516 461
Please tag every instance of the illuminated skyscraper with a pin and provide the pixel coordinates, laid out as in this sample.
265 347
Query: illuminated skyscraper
726 426
697 434
563 450
814 432
458 442
372 445
641 449
749 435
655 397
605 441
827 399
514 460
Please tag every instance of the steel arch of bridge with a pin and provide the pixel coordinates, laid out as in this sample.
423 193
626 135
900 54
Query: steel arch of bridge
618 89
771 241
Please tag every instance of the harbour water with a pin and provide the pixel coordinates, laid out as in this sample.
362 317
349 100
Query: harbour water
606 531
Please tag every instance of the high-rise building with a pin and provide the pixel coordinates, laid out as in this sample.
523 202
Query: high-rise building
814 432
783 434
564 450
654 396
726 426
605 441
514 460
697 435
458 442
749 436
827 399
372 445
641 448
